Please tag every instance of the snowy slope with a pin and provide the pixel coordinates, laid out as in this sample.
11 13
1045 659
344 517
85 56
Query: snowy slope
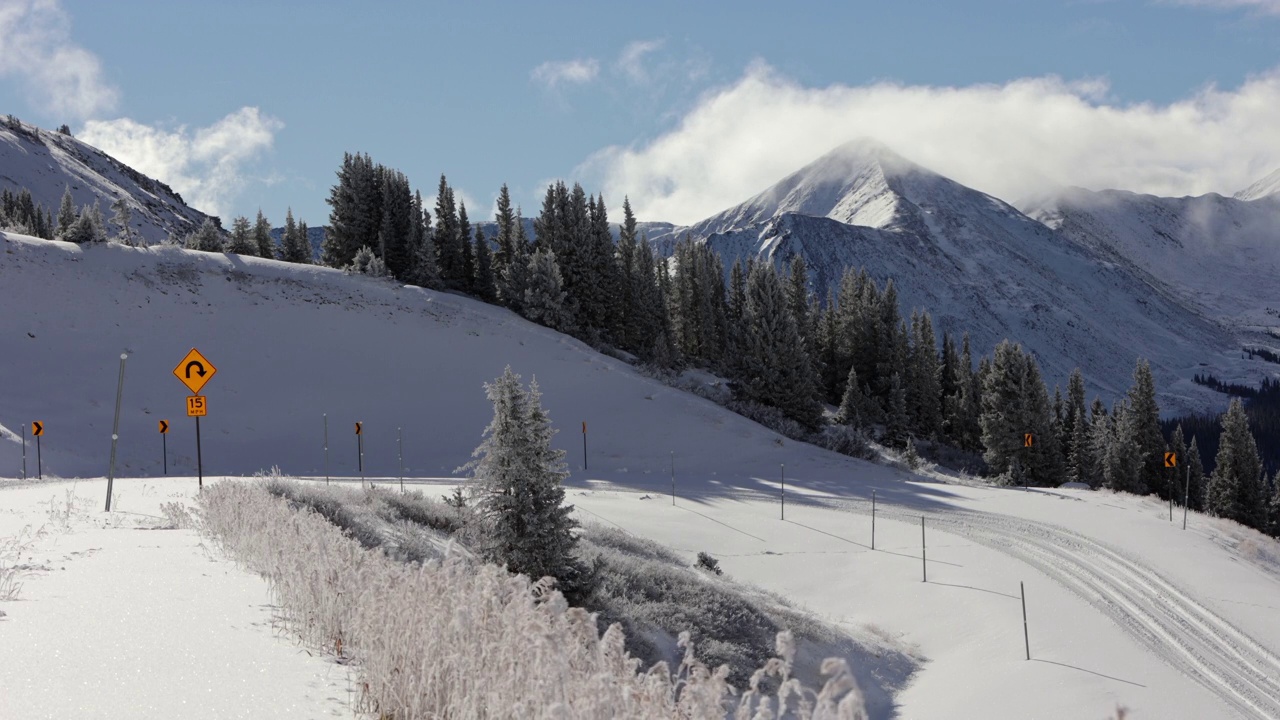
1269 185
1220 255
47 162
976 264
1124 607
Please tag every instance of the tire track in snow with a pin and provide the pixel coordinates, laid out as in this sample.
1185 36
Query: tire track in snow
1152 609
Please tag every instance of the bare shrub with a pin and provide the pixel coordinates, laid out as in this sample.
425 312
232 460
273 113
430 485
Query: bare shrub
448 639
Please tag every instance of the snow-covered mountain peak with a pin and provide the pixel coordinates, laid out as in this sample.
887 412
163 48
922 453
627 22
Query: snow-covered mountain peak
1267 186
47 163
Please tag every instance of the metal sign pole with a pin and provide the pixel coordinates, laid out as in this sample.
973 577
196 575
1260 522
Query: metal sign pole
673 478
873 519
199 457
783 491
326 448
584 445
115 431
400 445
24 452
1186 502
39 460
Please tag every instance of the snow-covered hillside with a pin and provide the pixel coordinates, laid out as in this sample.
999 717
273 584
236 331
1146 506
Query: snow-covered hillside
46 163
1220 255
977 264
1269 185
1125 607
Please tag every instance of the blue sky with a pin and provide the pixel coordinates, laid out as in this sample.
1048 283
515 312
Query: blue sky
687 107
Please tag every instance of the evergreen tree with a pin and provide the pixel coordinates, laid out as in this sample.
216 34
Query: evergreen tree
506 220
1075 409
1015 403
925 373
515 278
424 268
1100 432
122 216
208 238
66 212
544 298
626 331
263 245
396 229
1273 508
1145 426
1122 470
483 283
241 242
1195 477
1176 478
83 230
518 486
855 404
447 240
468 272
777 370
1080 460
897 430
296 247
355 217
652 324
1235 487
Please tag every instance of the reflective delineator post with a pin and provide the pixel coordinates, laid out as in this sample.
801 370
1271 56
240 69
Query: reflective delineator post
1026 637
673 478
873 519
115 432
326 448
782 494
924 560
400 445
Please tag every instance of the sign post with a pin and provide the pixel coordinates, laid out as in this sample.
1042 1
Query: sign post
400 446
584 445
24 452
194 370
1171 461
1028 442
673 478
164 444
1186 501
115 431
873 519
37 429
326 448
360 450
782 492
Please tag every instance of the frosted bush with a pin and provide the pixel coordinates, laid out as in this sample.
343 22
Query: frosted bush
452 640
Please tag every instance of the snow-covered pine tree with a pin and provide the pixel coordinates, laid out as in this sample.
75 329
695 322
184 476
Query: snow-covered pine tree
208 238
651 321
82 231
627 332
99 224
396 226
1235 487
1080 461
483 283
355 215
296 248
263 245
66 213
1075 408
517 488
515 278
776 370
241 241
856 407
544 297
1122 469
122 217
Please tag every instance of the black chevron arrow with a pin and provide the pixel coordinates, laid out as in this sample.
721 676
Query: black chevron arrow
198 366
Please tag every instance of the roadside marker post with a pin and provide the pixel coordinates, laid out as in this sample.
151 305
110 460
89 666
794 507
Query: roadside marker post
115 431
924 559
24 451
37 429
360 450
782 494
326 448
400 446
1026 636
673 478
873 519
1028 442
584 445
1171 461
164 444
1186 501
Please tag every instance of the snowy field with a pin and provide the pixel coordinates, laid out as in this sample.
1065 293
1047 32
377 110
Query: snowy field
1124 607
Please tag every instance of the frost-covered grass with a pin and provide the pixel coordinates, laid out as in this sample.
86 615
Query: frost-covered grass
452 639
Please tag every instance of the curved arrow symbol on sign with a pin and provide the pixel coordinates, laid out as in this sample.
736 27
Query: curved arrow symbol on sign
198 366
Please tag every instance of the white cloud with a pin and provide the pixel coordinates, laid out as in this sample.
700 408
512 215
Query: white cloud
58 76
1266 7
631 59
1009 140
555 73
206 165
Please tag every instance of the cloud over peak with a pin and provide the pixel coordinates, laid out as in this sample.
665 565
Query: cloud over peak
58 76
1010 140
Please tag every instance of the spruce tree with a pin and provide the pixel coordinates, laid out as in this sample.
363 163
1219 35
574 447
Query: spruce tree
263 245
483 282
207 238
66 212
355 215
241 241
296 247
447 241
515 278
1175 478
625 255
897 427
926 380
777 371
505 218
1122 471
854 403
544 298
651 321
1273 508
122 216
467 276
396 231
517 486
1145 427
1235 489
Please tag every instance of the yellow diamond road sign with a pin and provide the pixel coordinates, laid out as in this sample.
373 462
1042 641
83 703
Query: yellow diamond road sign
194 371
